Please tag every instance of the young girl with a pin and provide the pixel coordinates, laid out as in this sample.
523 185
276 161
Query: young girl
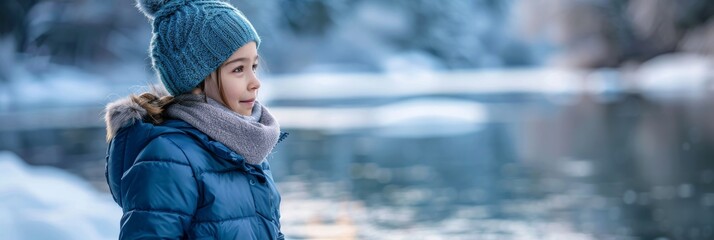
189 162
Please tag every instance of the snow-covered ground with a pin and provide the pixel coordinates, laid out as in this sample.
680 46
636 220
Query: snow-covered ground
49 203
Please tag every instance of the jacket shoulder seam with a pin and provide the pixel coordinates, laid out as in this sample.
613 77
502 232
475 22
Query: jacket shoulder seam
162 161
153 161
159 211
188 163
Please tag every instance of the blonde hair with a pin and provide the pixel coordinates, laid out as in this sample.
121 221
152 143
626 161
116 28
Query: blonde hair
155 106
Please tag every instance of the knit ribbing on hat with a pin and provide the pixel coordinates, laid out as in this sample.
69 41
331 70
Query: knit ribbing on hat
191 38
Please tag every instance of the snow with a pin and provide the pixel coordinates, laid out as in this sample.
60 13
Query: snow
675 76
39 85
429 117
533 81
668 77
68 88
49 203
421 117
411 62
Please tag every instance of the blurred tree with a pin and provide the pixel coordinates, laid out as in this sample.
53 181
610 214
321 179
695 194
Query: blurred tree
608 33
308 17
361 35
693 13
454 34
72 32
13 19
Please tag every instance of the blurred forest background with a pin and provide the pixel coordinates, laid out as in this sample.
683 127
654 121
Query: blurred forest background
409 119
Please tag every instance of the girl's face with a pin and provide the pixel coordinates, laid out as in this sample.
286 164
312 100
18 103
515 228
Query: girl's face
238 80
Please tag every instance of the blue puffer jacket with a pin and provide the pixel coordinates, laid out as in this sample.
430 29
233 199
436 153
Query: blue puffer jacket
174 182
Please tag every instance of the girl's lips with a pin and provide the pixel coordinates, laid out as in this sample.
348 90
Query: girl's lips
248 102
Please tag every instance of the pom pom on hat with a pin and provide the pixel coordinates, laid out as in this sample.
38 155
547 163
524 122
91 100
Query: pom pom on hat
150 7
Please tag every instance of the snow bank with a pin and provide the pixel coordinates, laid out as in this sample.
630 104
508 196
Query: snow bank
48 203
430 117
420 117
674 76
543 81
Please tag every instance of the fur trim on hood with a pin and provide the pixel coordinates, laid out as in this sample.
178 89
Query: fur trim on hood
123 112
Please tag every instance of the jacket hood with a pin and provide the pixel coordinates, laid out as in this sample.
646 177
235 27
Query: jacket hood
125 111
128 134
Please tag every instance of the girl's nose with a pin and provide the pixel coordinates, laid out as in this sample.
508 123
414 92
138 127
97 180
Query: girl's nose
254 82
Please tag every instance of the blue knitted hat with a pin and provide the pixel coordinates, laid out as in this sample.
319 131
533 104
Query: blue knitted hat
191 38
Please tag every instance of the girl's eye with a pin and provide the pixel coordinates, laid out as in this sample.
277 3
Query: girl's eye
239 69
255 67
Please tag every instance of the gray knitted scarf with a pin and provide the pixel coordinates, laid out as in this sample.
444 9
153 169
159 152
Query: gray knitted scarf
253 137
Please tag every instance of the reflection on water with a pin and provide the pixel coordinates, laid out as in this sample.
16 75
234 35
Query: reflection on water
624 168
459 186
